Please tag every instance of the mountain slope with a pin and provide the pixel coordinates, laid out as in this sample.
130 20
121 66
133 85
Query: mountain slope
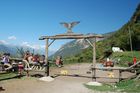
14 50
74 47
8 49
71 48
119 38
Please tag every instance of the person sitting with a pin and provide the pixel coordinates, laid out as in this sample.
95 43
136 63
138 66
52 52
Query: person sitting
42 60
59 61
5 61
36 59
108 63
30 59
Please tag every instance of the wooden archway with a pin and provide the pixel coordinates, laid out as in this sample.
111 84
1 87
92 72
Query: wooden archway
71 36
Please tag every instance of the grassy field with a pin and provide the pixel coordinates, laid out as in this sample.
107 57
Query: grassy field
6 76
125 57
128 86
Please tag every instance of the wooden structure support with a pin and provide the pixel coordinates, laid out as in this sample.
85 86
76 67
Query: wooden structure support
94 59
46 59
51 43
116 72
71 36
89 42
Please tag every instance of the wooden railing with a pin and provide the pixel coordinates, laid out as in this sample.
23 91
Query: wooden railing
117 71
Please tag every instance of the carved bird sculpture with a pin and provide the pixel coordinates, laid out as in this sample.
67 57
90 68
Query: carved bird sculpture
69 26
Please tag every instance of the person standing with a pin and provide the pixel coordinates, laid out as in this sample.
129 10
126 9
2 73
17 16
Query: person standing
134 60
26 61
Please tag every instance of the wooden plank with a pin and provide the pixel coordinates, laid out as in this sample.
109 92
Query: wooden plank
107 74
134 65
111 68
70 37
16 59
119 68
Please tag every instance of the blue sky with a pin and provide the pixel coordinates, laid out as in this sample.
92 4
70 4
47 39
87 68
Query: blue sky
22 22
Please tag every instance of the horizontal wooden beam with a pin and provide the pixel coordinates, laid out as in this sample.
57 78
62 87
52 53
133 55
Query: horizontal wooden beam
70 37
110 68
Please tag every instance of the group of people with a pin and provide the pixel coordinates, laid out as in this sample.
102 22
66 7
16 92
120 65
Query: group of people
30 58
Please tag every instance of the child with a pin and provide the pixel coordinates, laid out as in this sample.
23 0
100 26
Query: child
20 68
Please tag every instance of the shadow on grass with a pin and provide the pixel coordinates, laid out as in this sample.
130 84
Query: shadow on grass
13 76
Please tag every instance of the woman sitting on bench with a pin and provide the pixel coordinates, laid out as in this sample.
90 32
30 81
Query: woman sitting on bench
5 61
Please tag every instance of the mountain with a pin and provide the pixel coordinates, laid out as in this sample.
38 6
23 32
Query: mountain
15 50
72 48
131 29
8 49
119 38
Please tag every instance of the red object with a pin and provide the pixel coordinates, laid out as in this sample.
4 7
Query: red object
35 58
20 68
134 60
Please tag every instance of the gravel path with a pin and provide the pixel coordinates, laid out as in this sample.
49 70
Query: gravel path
61 84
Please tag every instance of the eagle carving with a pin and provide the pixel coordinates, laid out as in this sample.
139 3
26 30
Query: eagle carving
69 26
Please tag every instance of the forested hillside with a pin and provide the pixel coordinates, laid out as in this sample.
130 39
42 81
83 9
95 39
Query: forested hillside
120 38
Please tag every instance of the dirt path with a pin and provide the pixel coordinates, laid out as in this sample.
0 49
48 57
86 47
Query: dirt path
61 84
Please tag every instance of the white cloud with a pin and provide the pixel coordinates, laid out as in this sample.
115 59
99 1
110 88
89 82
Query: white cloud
35 46
24 43
12 38
3 42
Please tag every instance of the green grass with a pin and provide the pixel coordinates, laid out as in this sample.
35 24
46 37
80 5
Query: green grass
6 76
103 88
128 86
125 57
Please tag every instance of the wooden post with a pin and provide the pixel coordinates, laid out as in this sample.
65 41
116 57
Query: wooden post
94 60
120 75
130 40
46 59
